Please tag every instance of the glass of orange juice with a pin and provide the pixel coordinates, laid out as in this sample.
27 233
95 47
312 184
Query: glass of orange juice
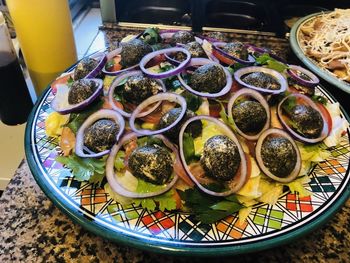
45 34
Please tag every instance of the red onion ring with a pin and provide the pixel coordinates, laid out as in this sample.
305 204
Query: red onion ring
117 187
117 81
61 98
296 135
218 45
172 97
209 39
110 56
175 62
235 184
264 51
102 61
278 76
261 164
169 73
201 62
101 114
308 83
255 95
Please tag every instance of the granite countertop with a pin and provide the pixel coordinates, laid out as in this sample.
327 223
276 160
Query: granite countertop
34 230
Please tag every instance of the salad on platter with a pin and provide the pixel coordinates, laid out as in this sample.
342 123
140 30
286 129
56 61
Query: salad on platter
173 121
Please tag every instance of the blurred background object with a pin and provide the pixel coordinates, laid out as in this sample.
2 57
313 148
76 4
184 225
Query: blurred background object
45 34
269 17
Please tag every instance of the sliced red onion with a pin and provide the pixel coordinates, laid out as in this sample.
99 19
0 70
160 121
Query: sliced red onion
175 62
218 47
101 114
308 83
172 97
278 76
201 62
167 34
296 135
209 39
102 58
281 133
257 96
115 184
169 73
119 80
264 51
60 102
238 181
110 56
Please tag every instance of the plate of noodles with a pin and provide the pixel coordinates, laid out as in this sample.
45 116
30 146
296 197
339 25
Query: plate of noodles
322 42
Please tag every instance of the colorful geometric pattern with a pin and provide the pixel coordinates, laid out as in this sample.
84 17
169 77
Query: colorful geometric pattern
328 180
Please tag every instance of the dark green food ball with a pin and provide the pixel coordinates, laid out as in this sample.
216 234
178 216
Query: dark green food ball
151 163
261 80
84 67
249 116
133 51
279 156
208 78
81 90
236 49
194 128
194 48
183 37
138 88
220 159
308 120
101 135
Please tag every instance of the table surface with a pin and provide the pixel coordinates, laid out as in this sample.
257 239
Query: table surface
34 230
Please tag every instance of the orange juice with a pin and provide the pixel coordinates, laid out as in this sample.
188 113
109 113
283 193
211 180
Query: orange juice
45 34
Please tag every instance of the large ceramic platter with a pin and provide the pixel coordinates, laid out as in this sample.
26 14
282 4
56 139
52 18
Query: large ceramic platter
178 232
295 42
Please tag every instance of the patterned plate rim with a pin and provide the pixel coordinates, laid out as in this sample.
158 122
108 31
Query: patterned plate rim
119 235
312 65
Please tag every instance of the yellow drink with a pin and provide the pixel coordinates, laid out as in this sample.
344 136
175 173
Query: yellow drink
45 34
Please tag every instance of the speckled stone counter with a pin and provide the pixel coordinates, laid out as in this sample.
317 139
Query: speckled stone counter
34 230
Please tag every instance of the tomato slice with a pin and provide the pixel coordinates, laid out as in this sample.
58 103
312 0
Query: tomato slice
107 105
222 58
326 115
214 109
60 80
114 64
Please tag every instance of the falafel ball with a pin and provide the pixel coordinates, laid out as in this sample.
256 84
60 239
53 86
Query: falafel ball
101 135
261 80
236 49
220 159
249 116
138 88
151 163
209 78
308 120
81 90
182 37
278 155
133 51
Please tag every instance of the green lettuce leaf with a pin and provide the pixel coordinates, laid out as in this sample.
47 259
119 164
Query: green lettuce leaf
83 168
209 209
